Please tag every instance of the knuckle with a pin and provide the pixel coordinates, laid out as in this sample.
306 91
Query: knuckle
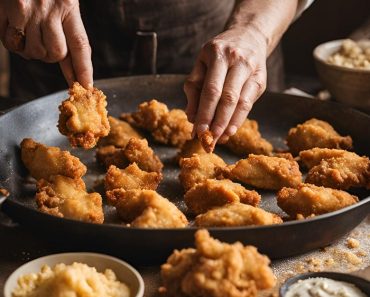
81 42
244 105
22 7
214 46
57 54
212 91
261 85
218 129
229 97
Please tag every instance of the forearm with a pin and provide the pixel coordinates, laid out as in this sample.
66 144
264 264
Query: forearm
270 18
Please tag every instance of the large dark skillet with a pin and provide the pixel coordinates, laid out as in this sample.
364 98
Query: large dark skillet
276 113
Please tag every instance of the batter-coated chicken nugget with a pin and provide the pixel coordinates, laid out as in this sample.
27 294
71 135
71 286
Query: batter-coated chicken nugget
248 140
146 209
137 150
236 214
207 141
166 126
316 133
199 168
341 173
120 133
308 200
313 157
132 177
190 147
214 193
67 198
216 269
83 116
265 172
44 161
147 116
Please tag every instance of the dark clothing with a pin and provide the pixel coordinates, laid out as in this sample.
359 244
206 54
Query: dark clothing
182 27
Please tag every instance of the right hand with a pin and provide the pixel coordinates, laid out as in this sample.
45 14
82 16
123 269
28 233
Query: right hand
53 32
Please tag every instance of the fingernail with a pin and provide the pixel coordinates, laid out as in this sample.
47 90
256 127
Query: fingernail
232 130
201 128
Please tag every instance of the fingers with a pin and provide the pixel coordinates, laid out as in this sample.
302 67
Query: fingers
17 13
79 48
251 91
235 79
210 94
193 87
34 46
67 70
54 40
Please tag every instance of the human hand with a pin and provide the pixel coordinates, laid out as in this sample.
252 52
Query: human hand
228 77
51 31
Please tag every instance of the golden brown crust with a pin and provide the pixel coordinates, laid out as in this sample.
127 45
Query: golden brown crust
207 141
146 209
167 126
136 150
316 133
215 193
236 214
341 173
67 198
83 116
313 157
264 172
216 269
120 133
44 161
130 178
248 140
308 200
190 147
199 168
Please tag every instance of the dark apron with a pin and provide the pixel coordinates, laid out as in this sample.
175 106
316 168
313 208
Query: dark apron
181 27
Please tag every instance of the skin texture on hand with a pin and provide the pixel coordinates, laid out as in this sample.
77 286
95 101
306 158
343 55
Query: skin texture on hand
53 32
229 74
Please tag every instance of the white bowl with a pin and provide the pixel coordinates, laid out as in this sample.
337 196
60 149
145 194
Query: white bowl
124 272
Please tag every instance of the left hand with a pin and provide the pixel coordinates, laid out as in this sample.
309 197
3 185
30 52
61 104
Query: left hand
228 77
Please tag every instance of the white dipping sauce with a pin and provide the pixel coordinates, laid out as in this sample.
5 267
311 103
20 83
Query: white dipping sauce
323 287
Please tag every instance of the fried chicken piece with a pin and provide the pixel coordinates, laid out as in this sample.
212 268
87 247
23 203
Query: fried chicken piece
148 115
313 157
248 140
146 209
264 172
207 141
83 116
190 147
174 128
214 193
316 133
120 133
137 150
199 168
341 173
67 198
132 177
308 200
44 161
167 126
216 269
236 214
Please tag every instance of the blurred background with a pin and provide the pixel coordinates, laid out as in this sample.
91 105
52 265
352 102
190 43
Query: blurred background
325 20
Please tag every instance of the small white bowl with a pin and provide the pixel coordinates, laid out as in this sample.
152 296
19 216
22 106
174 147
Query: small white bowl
124 272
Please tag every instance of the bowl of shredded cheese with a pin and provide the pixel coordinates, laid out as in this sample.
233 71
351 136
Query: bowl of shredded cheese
75 275
344 69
